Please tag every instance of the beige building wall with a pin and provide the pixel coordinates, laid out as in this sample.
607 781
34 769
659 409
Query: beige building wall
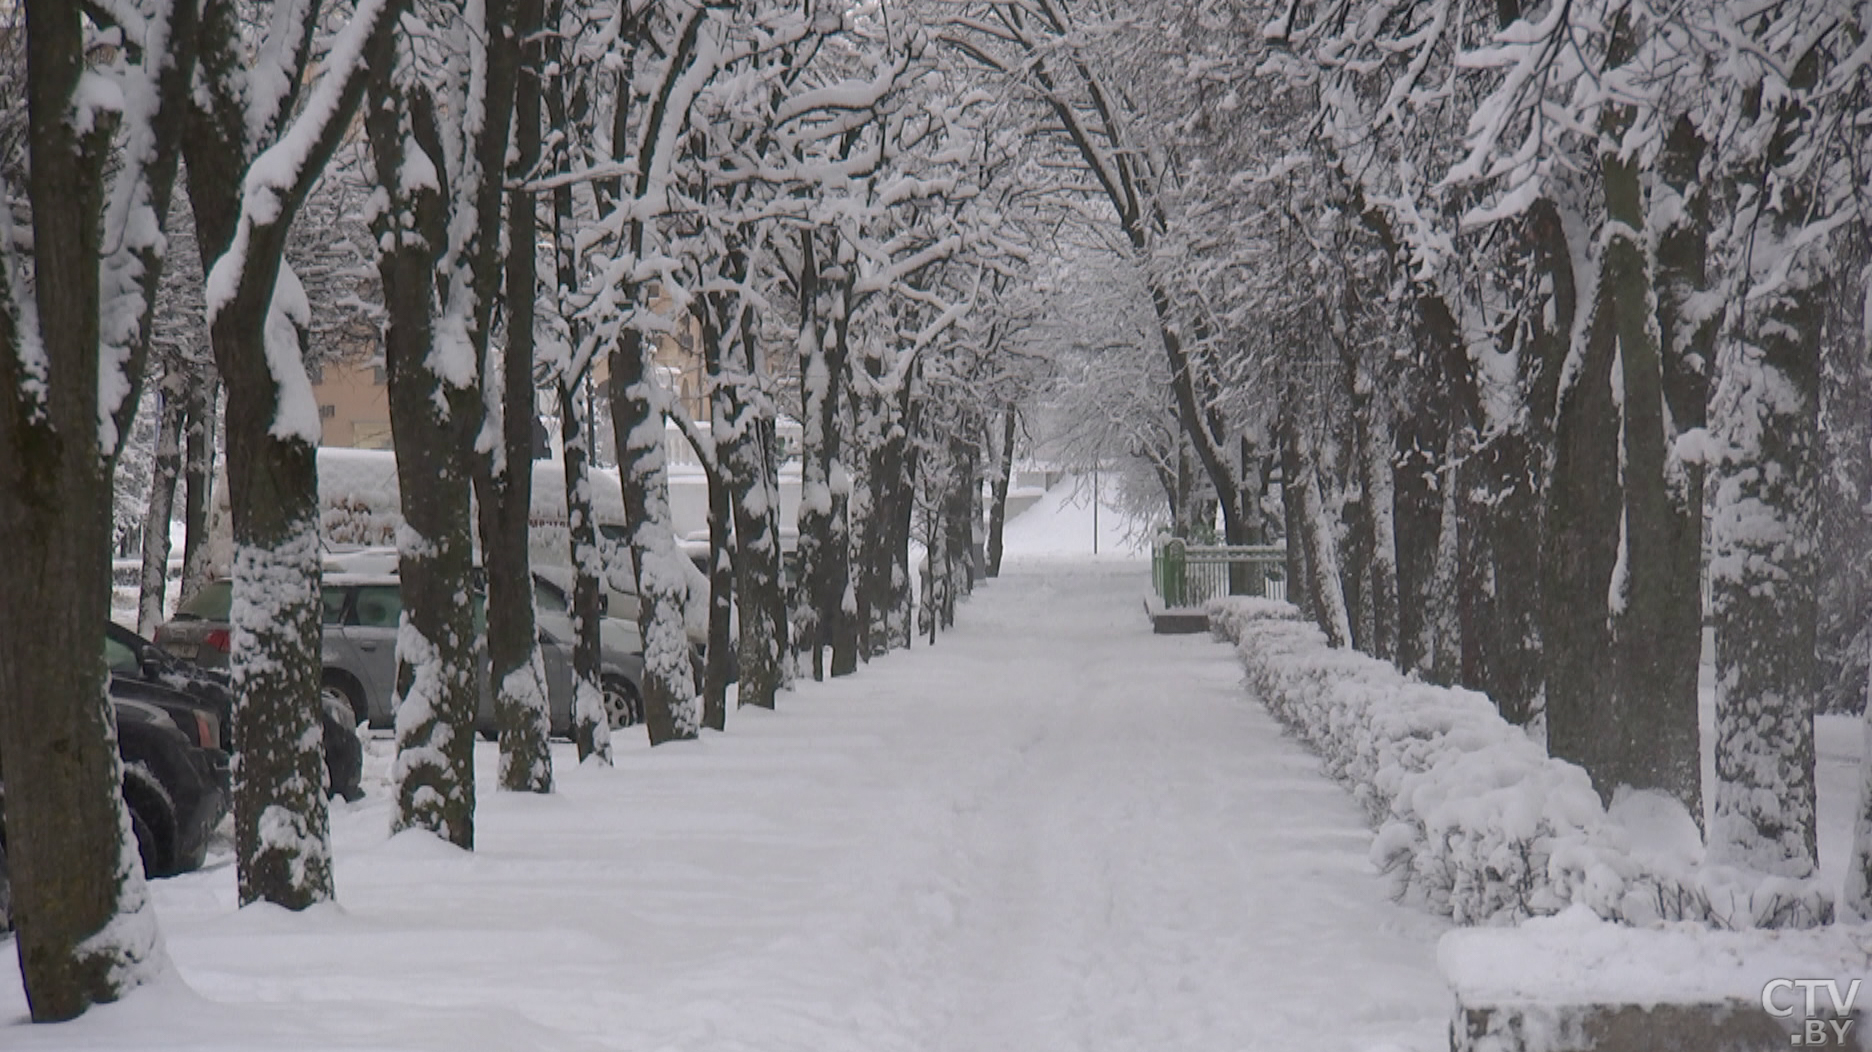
354 402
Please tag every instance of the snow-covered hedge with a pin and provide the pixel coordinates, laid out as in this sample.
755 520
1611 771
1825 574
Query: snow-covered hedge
1474 819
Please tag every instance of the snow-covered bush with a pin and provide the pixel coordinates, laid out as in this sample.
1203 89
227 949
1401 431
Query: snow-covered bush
1474 820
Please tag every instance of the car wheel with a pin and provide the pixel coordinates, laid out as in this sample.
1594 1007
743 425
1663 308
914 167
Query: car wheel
150 821
344 755
339 687
623 708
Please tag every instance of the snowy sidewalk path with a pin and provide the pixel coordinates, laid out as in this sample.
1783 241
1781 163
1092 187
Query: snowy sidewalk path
1051 831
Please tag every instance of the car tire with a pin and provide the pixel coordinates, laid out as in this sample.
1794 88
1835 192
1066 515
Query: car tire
152 823
623 705
339 686
344 758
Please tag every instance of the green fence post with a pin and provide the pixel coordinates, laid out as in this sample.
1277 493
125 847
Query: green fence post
1175 573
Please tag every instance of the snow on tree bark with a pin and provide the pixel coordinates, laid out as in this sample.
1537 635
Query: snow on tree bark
168 467
821 620
1762 565
86 930
434 414
198 485
591 726
515 59
1315 536
672 712
1003 476
570 113
744 443
1656 635
250 169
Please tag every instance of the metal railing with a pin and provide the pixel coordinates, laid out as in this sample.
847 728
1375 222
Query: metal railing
1189 575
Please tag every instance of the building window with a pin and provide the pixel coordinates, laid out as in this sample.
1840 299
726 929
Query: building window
316 373
327 412
377 376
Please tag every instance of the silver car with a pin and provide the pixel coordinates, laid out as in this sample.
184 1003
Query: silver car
363 610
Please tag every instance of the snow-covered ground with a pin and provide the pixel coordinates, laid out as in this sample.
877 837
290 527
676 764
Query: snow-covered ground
1052 830
1061 525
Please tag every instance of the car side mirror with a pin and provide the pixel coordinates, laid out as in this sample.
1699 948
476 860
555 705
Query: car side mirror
151 660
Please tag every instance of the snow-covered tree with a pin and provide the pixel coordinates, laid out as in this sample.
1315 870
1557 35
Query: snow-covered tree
100 147
261 128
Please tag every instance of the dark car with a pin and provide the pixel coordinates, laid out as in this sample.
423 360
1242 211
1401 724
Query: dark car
175 778
175 784
132 657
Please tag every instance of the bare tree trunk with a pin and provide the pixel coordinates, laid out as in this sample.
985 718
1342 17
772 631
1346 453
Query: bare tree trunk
745 449
281 830
936 561
1581 549
1312 533
1499 583
155 577
821 618
891 493
671 709
902 604
1417 523
957 568
718 662
1656 640
1004 474
1372 449
86 932
433 418
503 478
199 478
591 726
1763 569
718 657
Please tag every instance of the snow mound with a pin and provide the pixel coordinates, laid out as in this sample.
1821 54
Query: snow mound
1574 957
1475 821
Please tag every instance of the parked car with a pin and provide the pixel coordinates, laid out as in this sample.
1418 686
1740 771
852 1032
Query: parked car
552 590
131 656
620 643
175 778
362 612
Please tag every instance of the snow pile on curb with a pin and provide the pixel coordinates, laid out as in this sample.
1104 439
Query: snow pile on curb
1475 821
1577 958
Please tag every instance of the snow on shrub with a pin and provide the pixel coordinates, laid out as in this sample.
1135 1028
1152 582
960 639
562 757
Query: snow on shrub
1474 820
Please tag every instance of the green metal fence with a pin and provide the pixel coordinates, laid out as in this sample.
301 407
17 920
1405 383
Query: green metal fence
1186 575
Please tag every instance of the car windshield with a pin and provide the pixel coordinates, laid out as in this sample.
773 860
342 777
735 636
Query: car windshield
215 602
120 658
549 598
379 605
